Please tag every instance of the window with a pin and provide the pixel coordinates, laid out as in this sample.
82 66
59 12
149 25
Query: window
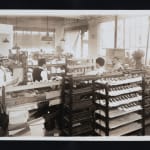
31 41
135 34
106 32
85 44
132 34
72 42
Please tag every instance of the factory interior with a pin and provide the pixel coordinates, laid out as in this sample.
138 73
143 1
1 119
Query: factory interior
71 74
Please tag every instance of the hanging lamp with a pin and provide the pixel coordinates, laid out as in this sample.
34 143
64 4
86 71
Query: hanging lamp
15 38
6 39
47 37
63 38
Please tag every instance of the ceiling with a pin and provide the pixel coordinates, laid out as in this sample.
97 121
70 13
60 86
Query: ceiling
39 23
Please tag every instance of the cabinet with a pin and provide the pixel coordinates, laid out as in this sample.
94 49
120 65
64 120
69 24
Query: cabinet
78 107
119 105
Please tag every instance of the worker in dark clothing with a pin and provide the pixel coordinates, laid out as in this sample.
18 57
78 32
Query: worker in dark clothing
40 73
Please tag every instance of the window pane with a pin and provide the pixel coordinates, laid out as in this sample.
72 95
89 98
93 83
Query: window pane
106 36
120 36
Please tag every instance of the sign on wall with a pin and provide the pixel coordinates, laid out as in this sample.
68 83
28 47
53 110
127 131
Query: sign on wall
114 52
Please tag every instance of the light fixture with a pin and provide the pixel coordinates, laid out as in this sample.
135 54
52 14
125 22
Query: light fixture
47 37
48 42
6 40
15 38
63 38
16 46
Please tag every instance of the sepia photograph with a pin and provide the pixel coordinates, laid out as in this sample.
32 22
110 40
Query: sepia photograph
74 74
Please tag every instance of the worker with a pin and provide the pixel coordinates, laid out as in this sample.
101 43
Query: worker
40 73
117 66
6 77
2 73
100 62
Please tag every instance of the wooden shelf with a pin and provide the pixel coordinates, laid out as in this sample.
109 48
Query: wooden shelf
57 74
120 121
81 91
47 65
130 90
75 73
80 130
20 132
32 86
55 102
53 94
23 100
79 66
17 126
121 130
116 104
55 65
27 107
116 112
83 119
32 105
121 82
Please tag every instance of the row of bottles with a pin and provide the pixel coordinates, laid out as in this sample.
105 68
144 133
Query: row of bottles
119 80
130 107
120 100
114 91
76 67
82 84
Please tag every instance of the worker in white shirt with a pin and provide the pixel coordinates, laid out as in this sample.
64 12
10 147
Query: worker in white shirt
117 66
6 78
100 69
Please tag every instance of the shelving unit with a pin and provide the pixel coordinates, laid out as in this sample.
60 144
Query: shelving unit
119 105
77 67
147 99
31 103
55 68
78 108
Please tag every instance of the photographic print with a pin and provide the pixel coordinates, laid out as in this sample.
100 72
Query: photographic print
74 74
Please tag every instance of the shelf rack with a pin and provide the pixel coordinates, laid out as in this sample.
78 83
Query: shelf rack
78 67
50 97
77 116
113 115
147 99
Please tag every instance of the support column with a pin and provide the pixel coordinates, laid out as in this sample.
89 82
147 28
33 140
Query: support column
93 39
59 33
115 35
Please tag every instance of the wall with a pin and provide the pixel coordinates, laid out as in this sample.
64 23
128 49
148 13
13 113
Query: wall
34 40
93 39
27 41
94 35
59 33
6 31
